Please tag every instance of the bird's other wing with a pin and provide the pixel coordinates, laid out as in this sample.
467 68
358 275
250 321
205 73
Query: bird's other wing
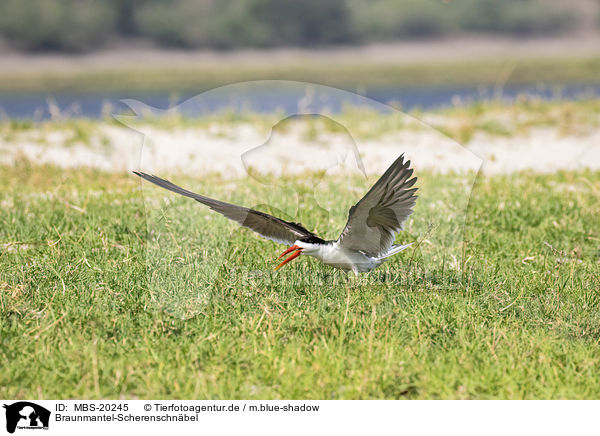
374 221
267 226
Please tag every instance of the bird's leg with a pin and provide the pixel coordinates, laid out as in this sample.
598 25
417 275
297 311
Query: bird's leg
349 285
352 278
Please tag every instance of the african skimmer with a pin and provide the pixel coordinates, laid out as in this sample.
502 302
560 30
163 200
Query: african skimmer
365 243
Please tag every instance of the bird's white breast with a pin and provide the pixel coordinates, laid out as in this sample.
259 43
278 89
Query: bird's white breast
335 255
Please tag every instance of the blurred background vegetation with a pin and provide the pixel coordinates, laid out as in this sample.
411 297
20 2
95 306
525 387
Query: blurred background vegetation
82 25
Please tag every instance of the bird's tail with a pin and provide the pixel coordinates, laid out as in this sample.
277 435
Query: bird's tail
394 250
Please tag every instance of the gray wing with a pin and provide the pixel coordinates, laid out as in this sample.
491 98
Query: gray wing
267 226
374 221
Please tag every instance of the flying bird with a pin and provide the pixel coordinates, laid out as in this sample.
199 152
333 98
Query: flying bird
367 240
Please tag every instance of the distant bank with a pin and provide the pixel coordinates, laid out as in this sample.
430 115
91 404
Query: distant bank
414 74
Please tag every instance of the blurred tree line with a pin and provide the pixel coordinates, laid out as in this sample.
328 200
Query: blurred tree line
79 25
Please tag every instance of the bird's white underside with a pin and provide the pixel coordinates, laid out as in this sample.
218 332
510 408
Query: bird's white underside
333 254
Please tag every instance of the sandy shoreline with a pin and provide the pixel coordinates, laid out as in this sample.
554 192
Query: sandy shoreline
232 152
460 48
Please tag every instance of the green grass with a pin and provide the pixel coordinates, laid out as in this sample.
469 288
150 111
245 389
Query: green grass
107 291
349 75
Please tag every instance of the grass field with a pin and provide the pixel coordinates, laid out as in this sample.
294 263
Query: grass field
348 74
104 293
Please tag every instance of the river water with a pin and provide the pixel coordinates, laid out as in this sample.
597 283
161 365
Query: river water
40 106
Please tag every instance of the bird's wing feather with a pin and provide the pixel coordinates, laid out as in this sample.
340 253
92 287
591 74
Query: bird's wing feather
267 226
374 221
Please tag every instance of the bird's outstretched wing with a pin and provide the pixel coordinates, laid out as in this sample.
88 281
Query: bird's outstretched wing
267 226
374 221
